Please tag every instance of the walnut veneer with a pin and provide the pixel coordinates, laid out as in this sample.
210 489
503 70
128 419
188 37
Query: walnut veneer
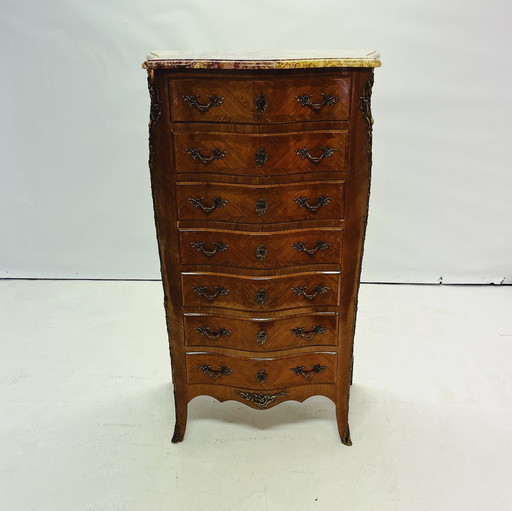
260 183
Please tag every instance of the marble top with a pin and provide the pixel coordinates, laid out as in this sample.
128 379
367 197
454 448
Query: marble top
285 59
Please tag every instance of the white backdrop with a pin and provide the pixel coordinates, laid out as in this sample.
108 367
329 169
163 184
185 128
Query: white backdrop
75 200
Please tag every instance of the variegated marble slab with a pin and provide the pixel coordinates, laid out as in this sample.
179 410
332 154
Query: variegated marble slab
286 59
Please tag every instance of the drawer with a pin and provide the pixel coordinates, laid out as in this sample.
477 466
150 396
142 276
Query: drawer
260 293
260 154
244 249
264 373
261 334
260 204
260 101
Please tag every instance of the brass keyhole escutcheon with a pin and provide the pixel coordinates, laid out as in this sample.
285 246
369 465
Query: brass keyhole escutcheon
262 375
261 337
261 252
261 206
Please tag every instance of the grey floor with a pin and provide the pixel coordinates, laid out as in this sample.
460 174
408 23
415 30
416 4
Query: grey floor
87 414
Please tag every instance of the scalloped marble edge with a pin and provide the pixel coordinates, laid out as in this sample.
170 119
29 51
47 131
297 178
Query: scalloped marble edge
179 60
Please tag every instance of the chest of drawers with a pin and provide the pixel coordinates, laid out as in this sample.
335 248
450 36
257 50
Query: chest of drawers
260 173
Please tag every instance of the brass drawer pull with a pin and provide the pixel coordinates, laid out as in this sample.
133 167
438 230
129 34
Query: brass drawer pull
327 100
301 247
308 374
261 400
308 334
261 337
261 157
213 336
261 206
215 373
319 290
326 152
302 202
261 103
262 376
195 152
261 297
261 252
203 291
200 246
192 101
198 203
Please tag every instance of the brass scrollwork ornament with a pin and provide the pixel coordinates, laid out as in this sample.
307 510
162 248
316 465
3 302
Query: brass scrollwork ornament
193 101
197 202
261 337
261 103
259 399
261 157
261 206
261 252
155 112
327 100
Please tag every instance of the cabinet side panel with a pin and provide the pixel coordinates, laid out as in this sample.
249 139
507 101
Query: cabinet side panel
357 194
161 169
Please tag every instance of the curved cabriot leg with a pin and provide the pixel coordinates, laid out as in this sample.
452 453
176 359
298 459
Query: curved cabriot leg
181 419
342 420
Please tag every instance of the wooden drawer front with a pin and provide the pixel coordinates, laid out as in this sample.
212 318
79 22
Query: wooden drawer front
264 373
215 100
258 154
261 204
260 250
261 293
261 334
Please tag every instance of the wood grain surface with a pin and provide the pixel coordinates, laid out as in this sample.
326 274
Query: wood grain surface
248 249
236 288
239 99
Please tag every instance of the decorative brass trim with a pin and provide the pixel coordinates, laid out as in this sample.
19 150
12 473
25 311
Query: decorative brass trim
261 103
203 291
318 290
302 202
261 252
261 400
327 100
261 296
301 247
213 336
345 437
308 374
261 206
262 376
261 157
195 152
366 108
198 203
215 374
176 437
261 337
200 246
155 112
308 334
326 152
192 101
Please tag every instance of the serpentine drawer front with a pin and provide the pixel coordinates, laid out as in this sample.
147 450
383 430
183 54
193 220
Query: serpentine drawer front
261 333
249 249
229 202
277 99
260 173
260 293
261 373
259 154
